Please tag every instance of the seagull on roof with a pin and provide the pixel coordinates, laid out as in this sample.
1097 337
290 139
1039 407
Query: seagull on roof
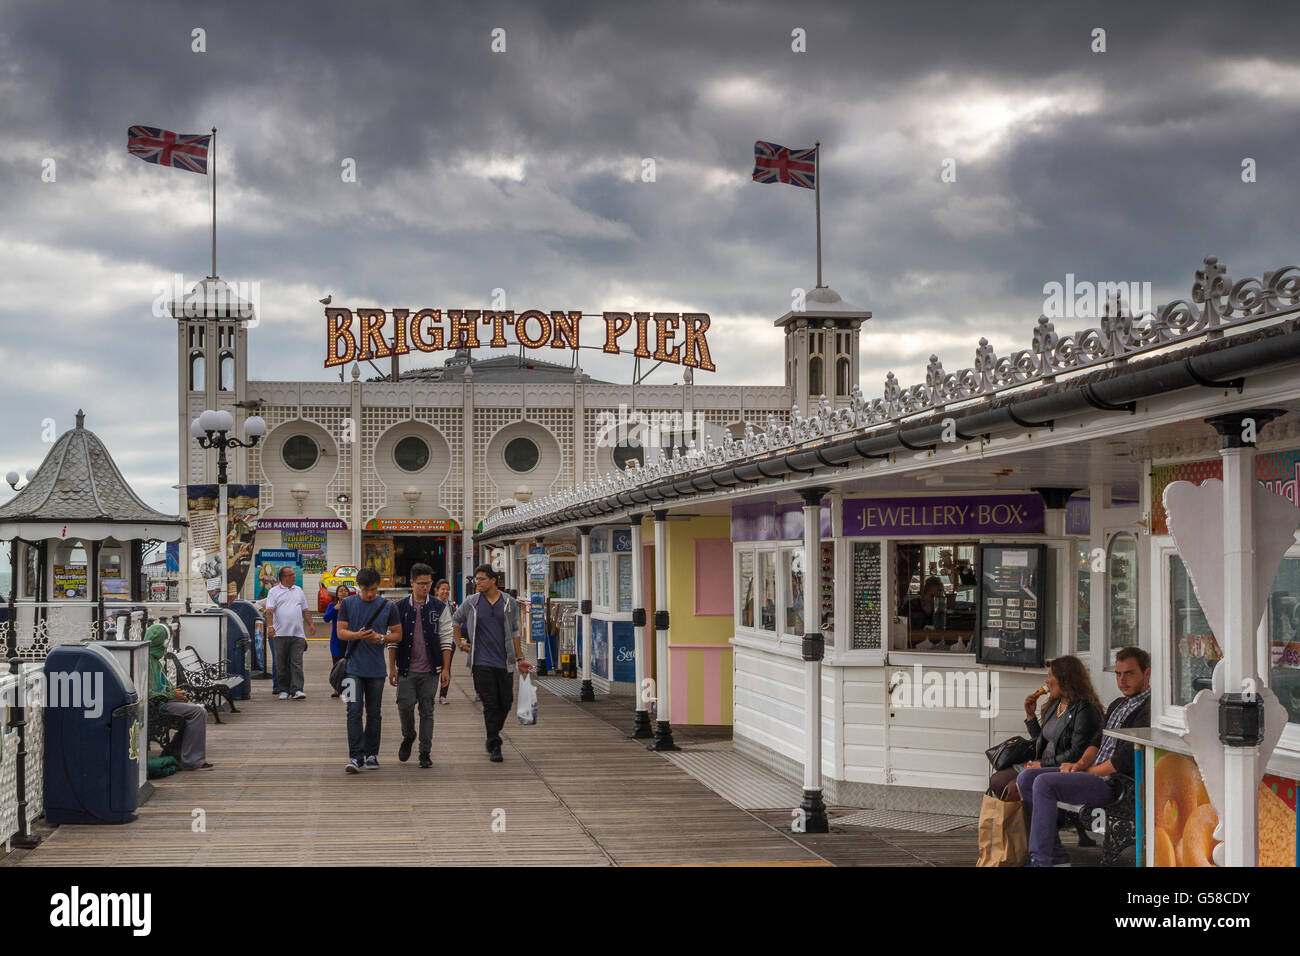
328 299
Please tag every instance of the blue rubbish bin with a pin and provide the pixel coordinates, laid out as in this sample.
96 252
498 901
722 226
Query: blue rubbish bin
238 639
94 732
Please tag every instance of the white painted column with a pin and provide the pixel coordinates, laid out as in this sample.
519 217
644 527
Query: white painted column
813 810
1241 770
641 726
663 725
584 607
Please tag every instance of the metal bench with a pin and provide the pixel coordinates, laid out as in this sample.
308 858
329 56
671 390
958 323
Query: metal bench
1115 819
165 729
204 683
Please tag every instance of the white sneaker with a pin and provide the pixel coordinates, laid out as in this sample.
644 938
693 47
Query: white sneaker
299 695
284 695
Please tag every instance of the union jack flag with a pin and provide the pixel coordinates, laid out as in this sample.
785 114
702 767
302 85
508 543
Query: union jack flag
166 148
778 164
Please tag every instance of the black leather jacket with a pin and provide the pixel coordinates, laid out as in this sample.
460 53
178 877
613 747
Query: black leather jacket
1079 729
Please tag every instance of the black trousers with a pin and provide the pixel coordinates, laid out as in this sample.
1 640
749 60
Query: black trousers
495 687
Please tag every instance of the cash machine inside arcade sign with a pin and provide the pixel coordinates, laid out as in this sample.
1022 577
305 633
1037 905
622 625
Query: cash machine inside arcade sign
677 337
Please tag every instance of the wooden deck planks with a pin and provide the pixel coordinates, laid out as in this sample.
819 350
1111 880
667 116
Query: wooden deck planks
572 791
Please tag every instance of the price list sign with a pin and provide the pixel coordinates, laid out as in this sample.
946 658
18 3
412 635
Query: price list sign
866 595
1012 582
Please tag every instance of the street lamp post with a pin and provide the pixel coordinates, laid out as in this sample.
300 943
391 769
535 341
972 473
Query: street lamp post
210 430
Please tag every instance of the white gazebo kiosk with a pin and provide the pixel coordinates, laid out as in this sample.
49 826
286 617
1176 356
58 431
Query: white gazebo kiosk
75 534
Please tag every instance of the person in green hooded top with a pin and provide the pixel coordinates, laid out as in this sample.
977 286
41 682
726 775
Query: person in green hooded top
194 736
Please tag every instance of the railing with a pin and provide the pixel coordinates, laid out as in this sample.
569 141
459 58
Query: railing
1217 303
22 754
38 626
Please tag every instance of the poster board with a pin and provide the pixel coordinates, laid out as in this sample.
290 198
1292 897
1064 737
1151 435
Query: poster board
269 562
1012 596
377 553
69 581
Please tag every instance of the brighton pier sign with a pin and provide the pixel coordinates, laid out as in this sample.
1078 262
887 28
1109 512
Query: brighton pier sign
362 336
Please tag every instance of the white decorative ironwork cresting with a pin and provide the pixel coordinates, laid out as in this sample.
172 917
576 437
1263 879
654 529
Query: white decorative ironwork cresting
1217 303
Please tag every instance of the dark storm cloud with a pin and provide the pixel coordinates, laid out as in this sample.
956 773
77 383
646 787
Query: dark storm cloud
1116 166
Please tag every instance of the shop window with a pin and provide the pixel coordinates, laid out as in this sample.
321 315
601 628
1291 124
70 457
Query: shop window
299 453
563 580
1082 637
625 452
70 574
767 590
624 581
522 454
745 561
792 573
936 587
1195 650
1122 577
32 570
411 453
1284 637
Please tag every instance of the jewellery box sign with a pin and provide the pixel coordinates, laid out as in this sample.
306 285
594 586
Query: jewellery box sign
945 514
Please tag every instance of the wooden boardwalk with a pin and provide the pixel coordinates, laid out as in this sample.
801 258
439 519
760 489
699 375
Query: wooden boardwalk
573 790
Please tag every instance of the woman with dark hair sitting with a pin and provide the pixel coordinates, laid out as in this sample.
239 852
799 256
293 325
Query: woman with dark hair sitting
1066 731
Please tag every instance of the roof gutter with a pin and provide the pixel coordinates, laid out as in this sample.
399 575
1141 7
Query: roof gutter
1220 364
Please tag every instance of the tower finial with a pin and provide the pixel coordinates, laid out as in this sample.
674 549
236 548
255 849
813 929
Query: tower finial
81 418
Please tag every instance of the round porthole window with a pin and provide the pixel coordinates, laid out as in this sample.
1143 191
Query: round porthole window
521 454
624 453
300 453
411 453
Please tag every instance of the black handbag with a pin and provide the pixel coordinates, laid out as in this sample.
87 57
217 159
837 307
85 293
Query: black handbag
339 672
1010 752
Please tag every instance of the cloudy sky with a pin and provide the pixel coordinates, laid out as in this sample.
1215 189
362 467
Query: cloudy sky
522 170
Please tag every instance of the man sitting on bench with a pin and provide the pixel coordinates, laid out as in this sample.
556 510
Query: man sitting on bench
1084 784
194 736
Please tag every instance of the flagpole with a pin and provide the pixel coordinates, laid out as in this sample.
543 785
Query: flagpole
817 184
214 206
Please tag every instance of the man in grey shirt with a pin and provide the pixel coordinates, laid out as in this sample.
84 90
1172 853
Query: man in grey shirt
491 618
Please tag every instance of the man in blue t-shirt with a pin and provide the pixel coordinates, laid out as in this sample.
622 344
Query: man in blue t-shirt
377 623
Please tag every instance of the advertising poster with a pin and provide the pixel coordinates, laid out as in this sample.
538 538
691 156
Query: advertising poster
70 581
202 502
113 586
377 553
269 562
241 525
538 563
1183 819
311 545
1278 471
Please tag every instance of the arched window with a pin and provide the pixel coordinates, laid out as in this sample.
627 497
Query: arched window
815 375
197 380
842 377
227 383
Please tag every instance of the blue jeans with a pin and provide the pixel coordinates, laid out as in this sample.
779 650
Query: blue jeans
367 692
1044 787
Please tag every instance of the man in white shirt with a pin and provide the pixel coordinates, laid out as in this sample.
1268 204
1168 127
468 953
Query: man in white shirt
286 617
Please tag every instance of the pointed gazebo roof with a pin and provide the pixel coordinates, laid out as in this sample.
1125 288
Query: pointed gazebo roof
79 492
